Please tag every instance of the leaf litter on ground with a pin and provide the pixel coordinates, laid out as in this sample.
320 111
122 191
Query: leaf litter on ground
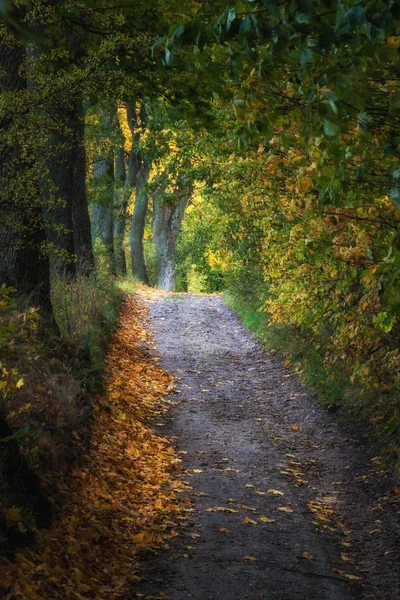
124 495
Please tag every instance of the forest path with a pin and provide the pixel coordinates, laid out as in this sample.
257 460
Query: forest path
287 503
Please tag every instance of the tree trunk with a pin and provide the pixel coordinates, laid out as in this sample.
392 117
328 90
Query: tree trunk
138 260
67 211
23 261
22 264
103 183
167 221
138 175
102 222
103 228
80 214
121 196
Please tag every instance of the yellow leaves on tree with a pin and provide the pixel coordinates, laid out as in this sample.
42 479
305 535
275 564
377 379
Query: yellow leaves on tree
121 499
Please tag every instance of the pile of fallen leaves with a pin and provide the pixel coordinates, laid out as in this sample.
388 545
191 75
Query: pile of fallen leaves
124 496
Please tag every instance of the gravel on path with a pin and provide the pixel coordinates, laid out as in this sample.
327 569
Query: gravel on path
288 502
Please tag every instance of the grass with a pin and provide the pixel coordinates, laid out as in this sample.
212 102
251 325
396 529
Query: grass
86 310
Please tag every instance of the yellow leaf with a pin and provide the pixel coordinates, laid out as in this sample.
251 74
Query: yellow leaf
347 575
20 383
345 557
249 557
260 493
221 509
225 530
265 519
197 470
248 507
13 514
251 521
285 509
277 492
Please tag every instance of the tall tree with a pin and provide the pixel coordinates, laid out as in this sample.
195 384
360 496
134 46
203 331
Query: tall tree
168 213
103 185
121 196
67 208
23 261
138 175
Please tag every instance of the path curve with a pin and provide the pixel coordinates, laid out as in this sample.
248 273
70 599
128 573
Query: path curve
287 503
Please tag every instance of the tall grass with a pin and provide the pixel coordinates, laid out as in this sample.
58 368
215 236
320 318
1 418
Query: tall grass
86 310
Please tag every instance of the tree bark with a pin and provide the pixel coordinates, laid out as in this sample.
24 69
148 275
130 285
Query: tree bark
102 221
138 260
80 214
23 260
67 210
121 196
138 175
167 221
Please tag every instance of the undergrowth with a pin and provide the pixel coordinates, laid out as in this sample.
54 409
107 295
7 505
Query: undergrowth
122 499
86 311
45 386
377 415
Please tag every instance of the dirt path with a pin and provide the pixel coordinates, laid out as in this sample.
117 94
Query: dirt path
287 504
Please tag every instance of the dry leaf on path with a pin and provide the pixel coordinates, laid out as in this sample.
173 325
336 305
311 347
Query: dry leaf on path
265 519
250 521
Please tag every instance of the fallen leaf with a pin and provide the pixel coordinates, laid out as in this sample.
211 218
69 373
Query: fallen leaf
224 530
197 470
13 514
346 557
249 557
285 509
307 555
347 575
277 492
247 507
250 521
221 509
265 519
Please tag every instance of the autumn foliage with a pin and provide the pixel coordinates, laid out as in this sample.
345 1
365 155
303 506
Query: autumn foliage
123 497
